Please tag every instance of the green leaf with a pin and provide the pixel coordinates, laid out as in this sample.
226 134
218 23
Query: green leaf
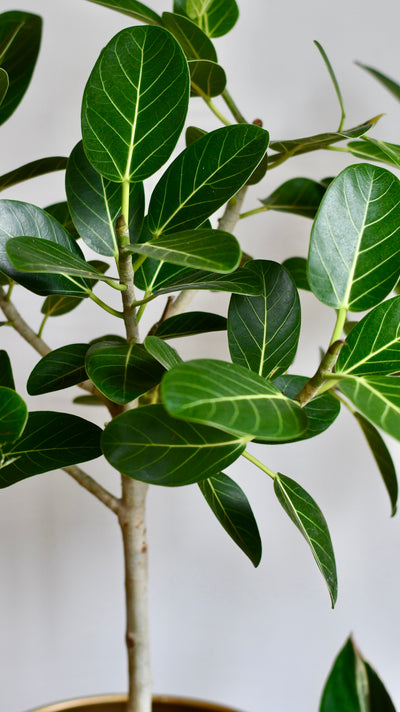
17 219
6 374
373 345
194 42
300 196
49 441
204 176
354 257
379 698
59 369
297 268
382 458
132 8
207 78
215 17
60 212
295 147
4 84
13 417
95 204
377 398
263 331
388 83
148 445
321 411
180 7
162 352
230 397
232 509
189 324
308 518
193 133
122 371
57 305
382 151
135 104
20 34
205 249
32 170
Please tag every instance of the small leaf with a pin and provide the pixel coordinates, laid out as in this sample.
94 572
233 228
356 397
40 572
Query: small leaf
135 104
6 374
49 441
32 170
297 268
300 196
214 250
263 331
230 397
194 42
206 77
354 257
388 83
375 151
377 398
232 509
20 34
321 411
382 458
13 417
308 518
148 445
132 8
59 369
57 305
215 17
193 133
162 352
189 324
122 371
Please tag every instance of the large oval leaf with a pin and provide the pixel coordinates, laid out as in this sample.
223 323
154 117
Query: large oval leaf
354 257
204 176
149 445
22 219
13 416
135 104
122 371
263 331
20 34
49 441
373 345
308 518
215 17
231 507
59 369
95 204
230 397
376 397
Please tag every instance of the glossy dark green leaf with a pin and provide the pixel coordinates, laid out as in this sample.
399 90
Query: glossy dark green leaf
321 411
162 352
300 196
308 518
20 34
295 147
194 42
13 417
22 219
4 84
6 374
193 133
59 369
232 509
132 8
382 458
88 400
381 151
180 7
95 204
204 176
230 397
345 683
33 170
263 331
373 346
259 172
58 305
215 17
386 81
379 698
189 324
122 371
204 249
148 445
206 77
297 268
48 442
354 257
61 213
135 104
377 398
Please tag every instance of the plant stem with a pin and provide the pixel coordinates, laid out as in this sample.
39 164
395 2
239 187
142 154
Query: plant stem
259 464
211 106
93 487
232 212
21 326
313 386
233 108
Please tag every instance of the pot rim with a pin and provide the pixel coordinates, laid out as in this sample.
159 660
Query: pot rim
67 705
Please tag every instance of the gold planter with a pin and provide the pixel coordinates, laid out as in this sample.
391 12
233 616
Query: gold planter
117 703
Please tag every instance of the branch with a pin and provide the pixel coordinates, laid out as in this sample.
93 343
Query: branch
94 487
325 368
20 325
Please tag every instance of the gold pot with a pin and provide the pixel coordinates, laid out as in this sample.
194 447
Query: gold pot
117 703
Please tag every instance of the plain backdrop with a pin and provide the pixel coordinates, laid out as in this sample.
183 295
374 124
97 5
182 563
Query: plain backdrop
257 639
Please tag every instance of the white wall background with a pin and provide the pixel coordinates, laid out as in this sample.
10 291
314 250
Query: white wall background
255 639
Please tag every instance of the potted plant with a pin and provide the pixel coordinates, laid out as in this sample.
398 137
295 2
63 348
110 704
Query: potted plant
173 422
